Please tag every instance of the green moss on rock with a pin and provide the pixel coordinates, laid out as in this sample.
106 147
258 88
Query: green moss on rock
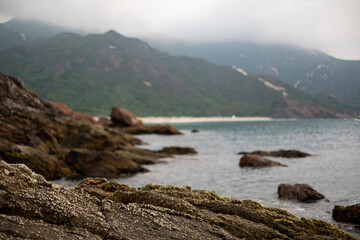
242 219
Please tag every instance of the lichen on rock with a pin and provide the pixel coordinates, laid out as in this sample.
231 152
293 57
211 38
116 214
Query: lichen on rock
99 209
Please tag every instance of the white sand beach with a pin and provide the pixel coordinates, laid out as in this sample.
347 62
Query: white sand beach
201 119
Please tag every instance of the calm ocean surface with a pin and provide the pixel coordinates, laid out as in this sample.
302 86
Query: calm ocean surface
333 170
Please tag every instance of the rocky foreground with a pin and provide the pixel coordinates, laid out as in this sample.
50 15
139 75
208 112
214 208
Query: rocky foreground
32 208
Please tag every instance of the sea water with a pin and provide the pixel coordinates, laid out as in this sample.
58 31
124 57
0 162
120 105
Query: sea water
333 169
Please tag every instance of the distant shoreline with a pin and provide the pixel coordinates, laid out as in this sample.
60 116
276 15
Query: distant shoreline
202 119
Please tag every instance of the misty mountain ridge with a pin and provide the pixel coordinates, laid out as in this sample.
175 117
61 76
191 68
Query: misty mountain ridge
96 72
309 70
21 31
67 66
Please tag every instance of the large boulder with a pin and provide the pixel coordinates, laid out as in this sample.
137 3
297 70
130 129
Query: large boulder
122 117
279 153
350 214
128 122
300 192
256 161
32 208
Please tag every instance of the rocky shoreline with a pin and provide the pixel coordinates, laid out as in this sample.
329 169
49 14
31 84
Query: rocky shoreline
54 143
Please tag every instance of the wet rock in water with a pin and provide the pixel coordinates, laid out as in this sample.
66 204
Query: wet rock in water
32 208
300 192
101 164
256 161
153 129
122 117
178 150
195 131
279 153
349 214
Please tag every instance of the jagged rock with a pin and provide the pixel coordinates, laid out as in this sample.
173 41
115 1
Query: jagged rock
122 117
66 109
43 139
38 159
22 111
279 153
101 164
195 131
350 214
16 177
31 207
256 161
19 227
40 135
98 141
28 198
178 150
300 192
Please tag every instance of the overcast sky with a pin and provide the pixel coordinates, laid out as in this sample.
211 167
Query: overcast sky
332 26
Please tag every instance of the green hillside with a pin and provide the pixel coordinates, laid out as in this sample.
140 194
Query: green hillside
96 72
16 32
309 70
10 38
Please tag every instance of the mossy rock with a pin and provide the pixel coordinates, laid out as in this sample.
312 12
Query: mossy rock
242 219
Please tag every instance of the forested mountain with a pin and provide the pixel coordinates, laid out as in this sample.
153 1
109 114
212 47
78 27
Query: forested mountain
309 70
96 72
16 32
